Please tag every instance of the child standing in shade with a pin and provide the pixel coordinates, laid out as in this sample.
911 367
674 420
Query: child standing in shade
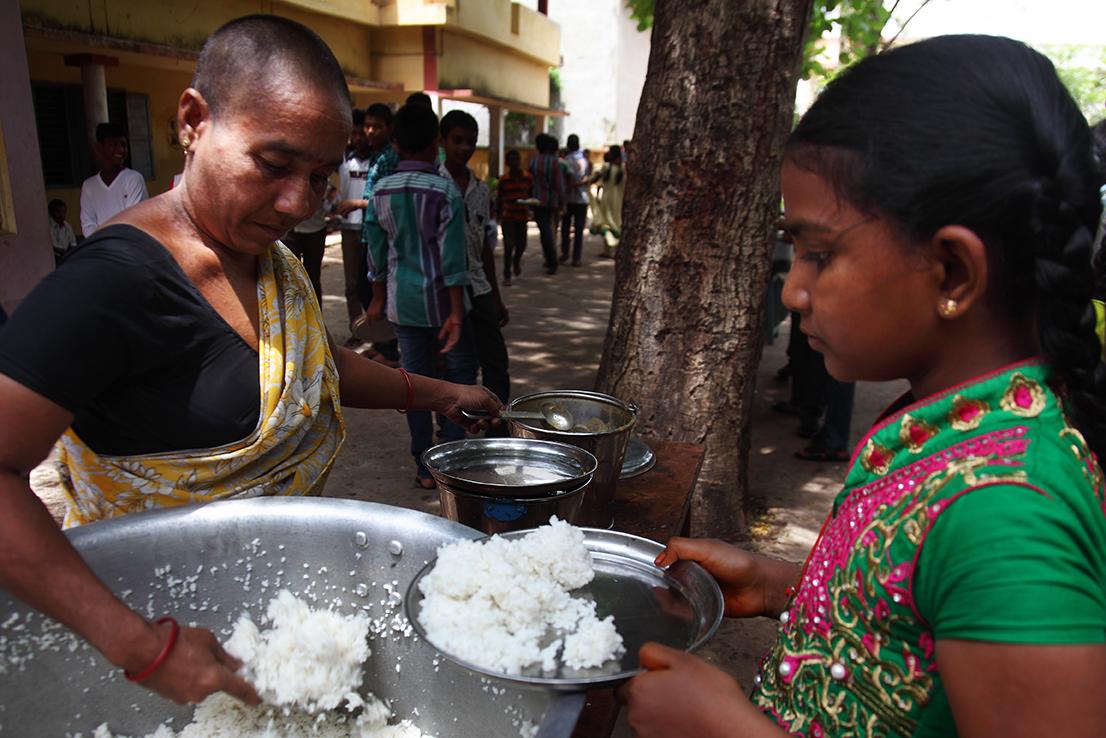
549 191
488 315
415 229
514 216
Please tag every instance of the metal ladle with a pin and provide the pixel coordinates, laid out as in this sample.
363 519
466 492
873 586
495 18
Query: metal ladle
553 414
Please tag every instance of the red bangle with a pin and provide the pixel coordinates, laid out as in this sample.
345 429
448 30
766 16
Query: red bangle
410 392
149 670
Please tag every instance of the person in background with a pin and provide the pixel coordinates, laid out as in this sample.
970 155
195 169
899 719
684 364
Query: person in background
515 185
115 187
351 187
576 200
415 226
611 181
488 315
942 212
383 158
307 242
549 191
62 237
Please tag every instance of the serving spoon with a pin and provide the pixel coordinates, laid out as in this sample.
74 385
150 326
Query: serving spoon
553 414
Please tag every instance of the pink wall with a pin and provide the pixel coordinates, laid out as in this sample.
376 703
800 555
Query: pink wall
26 257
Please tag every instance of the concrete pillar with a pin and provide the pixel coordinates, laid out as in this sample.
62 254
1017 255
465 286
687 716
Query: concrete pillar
496 153
539 125
94 87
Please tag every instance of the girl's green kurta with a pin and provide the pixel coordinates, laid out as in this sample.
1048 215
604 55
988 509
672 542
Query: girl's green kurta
976 514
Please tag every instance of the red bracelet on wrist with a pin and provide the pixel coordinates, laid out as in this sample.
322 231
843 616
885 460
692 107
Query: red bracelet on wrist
149 670
410 392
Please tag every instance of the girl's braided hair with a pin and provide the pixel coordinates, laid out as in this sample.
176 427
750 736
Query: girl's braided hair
979 131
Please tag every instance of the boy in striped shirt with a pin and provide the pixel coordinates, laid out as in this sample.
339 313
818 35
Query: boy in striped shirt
415 230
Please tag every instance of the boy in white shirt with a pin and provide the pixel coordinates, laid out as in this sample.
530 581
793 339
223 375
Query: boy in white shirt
115 187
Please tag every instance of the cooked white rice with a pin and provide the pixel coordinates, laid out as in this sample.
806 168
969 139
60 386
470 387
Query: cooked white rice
308 659
498 603
307 668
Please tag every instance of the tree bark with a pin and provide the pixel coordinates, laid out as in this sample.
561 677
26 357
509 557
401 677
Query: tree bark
702 201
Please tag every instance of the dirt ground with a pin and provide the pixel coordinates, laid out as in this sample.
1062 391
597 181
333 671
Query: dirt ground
554 340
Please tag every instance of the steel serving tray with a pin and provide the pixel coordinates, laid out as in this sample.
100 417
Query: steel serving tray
206 564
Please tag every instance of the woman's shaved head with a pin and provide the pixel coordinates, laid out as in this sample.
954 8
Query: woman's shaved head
246 57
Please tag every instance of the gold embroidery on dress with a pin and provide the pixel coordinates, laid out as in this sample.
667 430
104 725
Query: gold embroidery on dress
967 414
914 432
876 459
1024 397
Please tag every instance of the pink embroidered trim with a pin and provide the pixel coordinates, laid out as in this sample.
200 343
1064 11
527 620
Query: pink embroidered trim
894 417
811 605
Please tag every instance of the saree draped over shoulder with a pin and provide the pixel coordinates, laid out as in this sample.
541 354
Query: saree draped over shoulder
855 654
290 452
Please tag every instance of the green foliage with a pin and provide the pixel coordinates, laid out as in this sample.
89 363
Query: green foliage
642 12
1083 70
555 78
861 24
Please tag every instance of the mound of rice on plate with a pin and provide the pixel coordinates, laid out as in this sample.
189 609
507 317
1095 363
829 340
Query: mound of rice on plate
494 603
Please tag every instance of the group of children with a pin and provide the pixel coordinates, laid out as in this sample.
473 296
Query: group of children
428 231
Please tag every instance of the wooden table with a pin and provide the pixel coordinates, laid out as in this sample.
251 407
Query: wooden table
653 505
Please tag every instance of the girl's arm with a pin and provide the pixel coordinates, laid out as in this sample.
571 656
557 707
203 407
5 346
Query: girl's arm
682 695
1023 691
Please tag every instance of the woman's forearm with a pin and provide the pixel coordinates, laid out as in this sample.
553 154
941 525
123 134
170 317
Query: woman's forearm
39 566
364 383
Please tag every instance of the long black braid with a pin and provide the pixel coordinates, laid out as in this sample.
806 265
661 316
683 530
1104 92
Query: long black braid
979 131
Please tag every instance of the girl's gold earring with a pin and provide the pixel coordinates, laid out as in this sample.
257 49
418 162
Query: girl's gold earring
948 307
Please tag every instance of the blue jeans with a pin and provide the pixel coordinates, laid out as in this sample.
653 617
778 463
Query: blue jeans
543 216
419 353
834 433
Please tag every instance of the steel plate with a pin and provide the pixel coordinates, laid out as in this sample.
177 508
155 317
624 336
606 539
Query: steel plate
639 458
679 607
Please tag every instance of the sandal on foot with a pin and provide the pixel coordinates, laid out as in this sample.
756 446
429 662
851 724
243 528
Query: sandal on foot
814 453
424 482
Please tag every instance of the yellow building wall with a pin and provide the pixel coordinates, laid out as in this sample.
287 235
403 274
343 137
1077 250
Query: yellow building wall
466 63
187 25
397 56
535 36
164 88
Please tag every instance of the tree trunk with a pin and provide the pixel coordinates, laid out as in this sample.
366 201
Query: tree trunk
702 203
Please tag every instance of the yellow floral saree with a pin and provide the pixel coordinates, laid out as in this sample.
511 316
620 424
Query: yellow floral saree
298 434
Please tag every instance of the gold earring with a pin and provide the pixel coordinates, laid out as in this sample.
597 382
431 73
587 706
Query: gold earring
948 307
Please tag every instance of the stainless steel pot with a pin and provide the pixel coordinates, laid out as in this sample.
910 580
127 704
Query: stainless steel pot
207 564
616 417
505 512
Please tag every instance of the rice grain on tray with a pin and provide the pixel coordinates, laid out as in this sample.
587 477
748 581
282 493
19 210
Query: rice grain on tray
494 602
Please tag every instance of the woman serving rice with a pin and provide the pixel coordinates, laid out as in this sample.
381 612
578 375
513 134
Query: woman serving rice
942 197
181 356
